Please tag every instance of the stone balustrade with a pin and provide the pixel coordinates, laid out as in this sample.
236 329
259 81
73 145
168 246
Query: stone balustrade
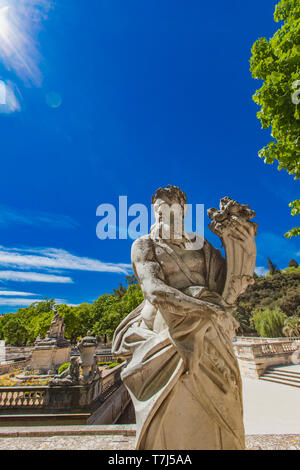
255 357
60 398
259 339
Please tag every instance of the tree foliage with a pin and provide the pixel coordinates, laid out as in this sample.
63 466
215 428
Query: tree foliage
277 63
280 290
291 326
293 263
269 322
100 317
272 267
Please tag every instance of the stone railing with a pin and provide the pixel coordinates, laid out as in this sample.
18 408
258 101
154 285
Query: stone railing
107 357
60 398
259 339
255 358
103 355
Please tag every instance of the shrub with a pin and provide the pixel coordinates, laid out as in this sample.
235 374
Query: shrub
63 367
113 364
269 322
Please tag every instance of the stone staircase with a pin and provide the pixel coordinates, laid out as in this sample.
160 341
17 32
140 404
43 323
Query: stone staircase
282 376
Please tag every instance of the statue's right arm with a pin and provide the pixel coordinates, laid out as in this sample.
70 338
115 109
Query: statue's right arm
153 285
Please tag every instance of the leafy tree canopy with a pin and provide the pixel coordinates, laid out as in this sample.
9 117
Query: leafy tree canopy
101 317
269 323
280 290
277 63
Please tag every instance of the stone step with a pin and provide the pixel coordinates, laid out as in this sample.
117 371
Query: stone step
283 376
279 381
35 419
284 371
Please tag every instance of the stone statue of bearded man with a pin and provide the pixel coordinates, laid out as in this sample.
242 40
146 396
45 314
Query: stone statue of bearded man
182 374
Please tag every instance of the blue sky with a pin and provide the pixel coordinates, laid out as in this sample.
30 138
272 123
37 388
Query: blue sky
109 98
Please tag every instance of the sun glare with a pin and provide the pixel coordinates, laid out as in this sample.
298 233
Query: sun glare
4 23
20 20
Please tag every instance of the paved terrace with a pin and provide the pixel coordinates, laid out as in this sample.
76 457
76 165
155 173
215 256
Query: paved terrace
113 437
272 421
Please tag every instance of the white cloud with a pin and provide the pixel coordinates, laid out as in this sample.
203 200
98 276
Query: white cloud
9 293
17 302
21 276
52 258
261 270
9 97
20 302
10 215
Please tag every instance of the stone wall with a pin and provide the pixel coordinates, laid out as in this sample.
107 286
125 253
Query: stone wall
7 367
13 352
114 407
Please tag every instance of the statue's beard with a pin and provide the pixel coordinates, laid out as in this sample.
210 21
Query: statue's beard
164 232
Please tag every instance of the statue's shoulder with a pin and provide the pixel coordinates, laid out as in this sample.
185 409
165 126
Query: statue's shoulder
142 247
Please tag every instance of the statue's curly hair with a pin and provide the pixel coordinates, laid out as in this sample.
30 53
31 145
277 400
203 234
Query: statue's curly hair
170 194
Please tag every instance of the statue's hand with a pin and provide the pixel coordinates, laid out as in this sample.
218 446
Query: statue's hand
243 233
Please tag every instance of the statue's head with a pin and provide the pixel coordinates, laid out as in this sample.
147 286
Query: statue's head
170 195
169 209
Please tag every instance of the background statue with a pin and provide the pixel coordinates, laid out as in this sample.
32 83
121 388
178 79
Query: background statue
70 376
57 327
182 374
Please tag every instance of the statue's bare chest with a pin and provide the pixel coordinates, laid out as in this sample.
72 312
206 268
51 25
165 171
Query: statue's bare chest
176 265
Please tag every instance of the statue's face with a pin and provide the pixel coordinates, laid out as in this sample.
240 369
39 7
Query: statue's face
171 219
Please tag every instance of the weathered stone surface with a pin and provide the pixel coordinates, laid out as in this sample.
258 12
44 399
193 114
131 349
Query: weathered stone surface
52 351
255 358
49 358
70 376
118 439
182 375
87 347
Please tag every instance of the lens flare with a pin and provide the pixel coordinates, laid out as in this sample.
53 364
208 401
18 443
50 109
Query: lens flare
20 22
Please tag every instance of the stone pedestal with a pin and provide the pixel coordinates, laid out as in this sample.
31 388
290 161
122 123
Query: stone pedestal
53 351
87 347
49 357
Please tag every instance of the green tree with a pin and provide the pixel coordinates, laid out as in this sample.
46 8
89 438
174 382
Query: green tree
291 326
293 263
101 317
277 63
243 315
269 322
78 320
110 309
272 267
15 332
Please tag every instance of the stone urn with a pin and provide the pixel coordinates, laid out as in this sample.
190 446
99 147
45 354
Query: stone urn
87 347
